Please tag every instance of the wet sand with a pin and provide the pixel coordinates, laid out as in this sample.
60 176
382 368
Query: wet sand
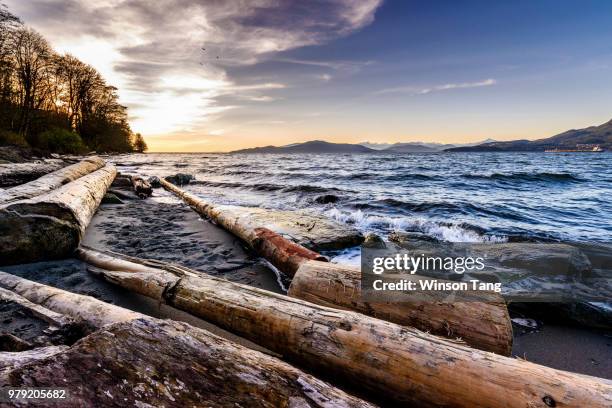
165 229
567 348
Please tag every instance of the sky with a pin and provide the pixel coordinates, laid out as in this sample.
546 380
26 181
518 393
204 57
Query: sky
220 75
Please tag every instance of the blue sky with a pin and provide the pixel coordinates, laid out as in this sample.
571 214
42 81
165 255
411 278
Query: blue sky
346 70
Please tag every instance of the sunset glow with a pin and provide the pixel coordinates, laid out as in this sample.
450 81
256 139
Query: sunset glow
218 76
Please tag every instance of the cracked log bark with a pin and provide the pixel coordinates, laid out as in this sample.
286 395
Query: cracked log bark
287 256
393 362
51 225
134 358
484 325
52 180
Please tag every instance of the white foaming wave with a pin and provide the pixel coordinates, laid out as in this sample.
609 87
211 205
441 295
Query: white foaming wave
350 256
451 233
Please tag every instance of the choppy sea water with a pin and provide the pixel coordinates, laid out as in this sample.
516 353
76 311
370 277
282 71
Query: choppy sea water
459 197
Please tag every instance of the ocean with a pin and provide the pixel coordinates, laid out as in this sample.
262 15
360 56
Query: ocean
458 197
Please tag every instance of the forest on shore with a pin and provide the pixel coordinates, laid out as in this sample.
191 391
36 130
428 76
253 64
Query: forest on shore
56 103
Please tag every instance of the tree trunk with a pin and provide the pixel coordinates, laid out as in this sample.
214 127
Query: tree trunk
134 358
51 225
142 188
287 256
484 325
51 181
393 362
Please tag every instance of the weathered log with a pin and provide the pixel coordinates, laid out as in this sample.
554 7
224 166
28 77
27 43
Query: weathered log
84 308
142 188
140 350
393 362
51 225
484 324
287 256
49 316
313 231
14 174
149 362
52 180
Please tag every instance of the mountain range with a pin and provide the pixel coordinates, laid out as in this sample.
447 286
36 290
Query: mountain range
320 146
597 135
600 135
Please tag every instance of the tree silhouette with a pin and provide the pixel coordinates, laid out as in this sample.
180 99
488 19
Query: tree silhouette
41 91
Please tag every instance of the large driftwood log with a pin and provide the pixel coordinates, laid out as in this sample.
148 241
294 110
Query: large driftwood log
487 325
282 253
94 312
49 316
394 362
149 362
14 174
51 225
148 356
484 325
52 180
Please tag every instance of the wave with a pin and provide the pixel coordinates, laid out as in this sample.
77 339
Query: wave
267 187
392 177
440 230
443 208
529 177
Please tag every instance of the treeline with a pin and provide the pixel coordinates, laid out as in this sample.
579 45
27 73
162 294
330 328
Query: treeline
56 102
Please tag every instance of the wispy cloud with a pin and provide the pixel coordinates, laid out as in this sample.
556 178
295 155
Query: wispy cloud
338 65
176 54
438 88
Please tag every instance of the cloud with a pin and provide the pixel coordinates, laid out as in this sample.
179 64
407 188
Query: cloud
177 53
438 88
263 98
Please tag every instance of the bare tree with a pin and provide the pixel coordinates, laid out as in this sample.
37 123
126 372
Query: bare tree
8 23
41 91
33 61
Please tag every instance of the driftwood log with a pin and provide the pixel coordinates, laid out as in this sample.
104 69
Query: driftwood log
49 316
14 174
51 225
94 312
484 325
153 363
52 180
136 360
287 256
142 188
393 362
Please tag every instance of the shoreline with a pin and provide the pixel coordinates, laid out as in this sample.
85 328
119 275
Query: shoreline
165 229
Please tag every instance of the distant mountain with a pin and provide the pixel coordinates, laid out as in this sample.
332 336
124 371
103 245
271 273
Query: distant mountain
410 148
601 135
315 146
418 147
